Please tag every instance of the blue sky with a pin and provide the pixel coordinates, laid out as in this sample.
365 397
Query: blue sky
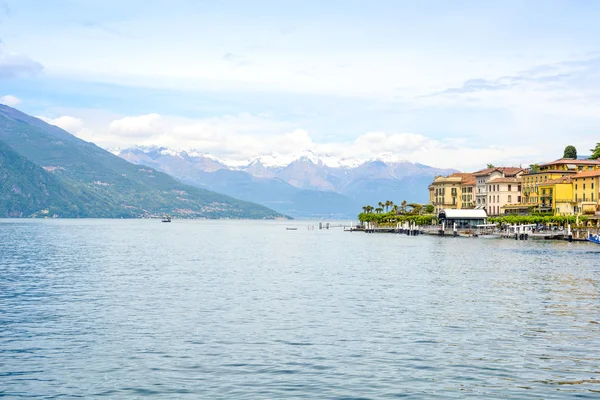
451 84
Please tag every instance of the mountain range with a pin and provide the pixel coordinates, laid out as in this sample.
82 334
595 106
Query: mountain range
45 171
303 185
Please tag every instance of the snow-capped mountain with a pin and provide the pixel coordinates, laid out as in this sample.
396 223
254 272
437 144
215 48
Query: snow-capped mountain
300 184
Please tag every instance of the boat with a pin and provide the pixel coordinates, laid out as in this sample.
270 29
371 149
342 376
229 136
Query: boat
291 229
166 218
594 238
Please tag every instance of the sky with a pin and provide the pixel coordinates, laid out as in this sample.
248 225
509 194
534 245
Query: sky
446 83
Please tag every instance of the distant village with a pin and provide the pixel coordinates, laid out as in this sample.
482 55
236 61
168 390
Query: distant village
567 186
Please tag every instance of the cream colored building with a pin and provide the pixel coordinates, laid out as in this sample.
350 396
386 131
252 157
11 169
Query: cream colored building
500 192
486 175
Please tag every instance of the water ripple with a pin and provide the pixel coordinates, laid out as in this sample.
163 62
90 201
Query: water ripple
241 309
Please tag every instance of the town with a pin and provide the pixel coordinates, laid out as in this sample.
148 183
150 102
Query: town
568 186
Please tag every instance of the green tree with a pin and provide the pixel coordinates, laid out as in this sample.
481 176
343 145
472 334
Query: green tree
378 210
490 166
429 209
403 207
595 152
570 152
534 168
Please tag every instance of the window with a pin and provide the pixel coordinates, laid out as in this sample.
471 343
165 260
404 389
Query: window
581 167
518 199
509 198
584 186
519 188
509 187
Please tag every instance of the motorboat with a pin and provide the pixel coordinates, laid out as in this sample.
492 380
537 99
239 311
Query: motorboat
594 238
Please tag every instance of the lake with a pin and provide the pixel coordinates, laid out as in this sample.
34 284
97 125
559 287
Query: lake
249 310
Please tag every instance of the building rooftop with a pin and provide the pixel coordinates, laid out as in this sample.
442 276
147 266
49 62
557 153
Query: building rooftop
505 180
587 174
561 171
570 161
507 171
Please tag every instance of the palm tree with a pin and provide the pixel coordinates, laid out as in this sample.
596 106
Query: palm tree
403 207
395 209
369 209
388 204
381 205
378 210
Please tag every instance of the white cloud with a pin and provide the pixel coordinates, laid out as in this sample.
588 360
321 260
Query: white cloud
139 126
238 138
70 124
10 100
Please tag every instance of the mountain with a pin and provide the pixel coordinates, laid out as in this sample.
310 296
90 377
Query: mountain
301 185
27 189
72 177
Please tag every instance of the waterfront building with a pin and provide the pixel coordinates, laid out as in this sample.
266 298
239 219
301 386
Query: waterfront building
557 195
464 219
484 176
467 192
448 192
538 176
502 191
586 192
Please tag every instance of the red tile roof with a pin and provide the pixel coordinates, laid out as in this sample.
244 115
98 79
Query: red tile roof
571 161
507 171
587 174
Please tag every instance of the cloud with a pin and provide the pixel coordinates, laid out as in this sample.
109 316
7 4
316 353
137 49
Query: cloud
238 138
14 65
10 100
236 59
142 126
70 124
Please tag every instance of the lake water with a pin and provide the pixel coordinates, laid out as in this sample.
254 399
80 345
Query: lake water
248 310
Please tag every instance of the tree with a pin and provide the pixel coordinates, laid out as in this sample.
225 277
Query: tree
595 152
388 204
534 168
429 209
395 209
491 166
570 152
378 210
403 207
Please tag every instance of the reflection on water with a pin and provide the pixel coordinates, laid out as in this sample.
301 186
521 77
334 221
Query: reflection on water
229 309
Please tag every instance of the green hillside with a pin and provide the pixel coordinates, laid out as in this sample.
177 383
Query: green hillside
95 183
28 190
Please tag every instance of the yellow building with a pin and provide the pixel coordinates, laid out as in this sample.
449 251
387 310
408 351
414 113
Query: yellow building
535 178
585 191
456 191
557 195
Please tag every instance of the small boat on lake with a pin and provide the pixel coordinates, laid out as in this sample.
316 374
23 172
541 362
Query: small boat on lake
594 238
291 229
166 218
